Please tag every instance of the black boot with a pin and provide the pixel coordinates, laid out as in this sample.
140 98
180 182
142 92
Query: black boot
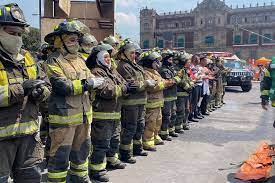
165 137
185 127
180 131
74 178
198 117
193 120
116 166
101 178
173 134
153 149
126 157
138 151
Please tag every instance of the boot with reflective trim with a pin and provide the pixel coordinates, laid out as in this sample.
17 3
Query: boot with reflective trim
158 140
165 137
138 150
114 163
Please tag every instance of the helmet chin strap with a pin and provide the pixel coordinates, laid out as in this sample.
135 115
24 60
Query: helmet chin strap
64 45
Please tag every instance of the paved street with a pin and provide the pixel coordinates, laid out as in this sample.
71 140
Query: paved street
229 135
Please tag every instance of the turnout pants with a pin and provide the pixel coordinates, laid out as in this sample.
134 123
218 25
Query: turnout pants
105 142
133 122
182 112
69 146
21 157
153 121
168 118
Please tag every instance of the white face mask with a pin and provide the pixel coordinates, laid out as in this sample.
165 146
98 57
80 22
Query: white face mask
101 59
12 44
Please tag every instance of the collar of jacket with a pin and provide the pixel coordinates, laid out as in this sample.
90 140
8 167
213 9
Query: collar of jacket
67 55
5 57
109 72
136 66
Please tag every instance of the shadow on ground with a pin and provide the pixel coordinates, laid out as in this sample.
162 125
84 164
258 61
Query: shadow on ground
231 179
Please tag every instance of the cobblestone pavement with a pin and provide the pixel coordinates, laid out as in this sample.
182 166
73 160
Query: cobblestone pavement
229 135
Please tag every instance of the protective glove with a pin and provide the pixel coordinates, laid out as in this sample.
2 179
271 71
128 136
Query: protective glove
150 83
132 87
93 83
41 93
264 104
31 85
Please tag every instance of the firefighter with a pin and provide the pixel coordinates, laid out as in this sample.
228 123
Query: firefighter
219 89
87 42
168 72
268 86
183 89
151 61
133 105
70 112
225 71
23 85
46 49
106 126
114 42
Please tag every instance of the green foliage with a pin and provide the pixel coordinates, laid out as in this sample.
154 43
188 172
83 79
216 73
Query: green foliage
31 40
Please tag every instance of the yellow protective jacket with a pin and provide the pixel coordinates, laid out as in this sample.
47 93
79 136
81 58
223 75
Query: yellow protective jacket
69 104
14 121
155 97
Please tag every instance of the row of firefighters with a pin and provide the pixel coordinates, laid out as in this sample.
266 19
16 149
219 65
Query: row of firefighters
101 104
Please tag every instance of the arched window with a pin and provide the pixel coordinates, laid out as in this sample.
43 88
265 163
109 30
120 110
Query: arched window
160 43
146 26
181 41
237 39
253 39
146 44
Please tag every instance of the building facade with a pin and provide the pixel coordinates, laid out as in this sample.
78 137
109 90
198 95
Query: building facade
212 26
98 15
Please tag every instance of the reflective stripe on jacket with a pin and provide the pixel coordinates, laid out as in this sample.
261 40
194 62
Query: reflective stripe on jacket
68 104
14 122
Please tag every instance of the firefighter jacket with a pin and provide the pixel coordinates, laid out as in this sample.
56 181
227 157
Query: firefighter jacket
133 73
69 104
185 85
268 84
155 94
107 104
168 72
18 113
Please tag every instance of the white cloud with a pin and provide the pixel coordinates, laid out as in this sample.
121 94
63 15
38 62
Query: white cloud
125 3
124 19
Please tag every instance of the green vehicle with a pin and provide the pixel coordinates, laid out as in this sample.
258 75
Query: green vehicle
240 75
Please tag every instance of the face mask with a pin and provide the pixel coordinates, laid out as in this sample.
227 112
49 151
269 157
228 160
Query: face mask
101 59
86 49
73 49
156 65
12 44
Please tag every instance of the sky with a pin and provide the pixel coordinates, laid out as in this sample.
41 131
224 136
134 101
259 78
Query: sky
127 11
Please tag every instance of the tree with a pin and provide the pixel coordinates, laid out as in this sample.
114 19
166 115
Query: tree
31 40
